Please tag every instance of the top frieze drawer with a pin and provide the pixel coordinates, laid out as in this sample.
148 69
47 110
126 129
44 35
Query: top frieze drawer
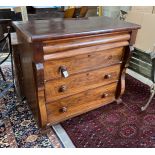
61 45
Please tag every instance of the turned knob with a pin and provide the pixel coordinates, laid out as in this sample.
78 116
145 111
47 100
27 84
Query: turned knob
105 95
63 109
63 88
110 57
107 76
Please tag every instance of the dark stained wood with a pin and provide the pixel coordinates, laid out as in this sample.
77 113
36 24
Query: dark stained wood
73 66
29 86
133 37
18 77
60 28
17 71
32 75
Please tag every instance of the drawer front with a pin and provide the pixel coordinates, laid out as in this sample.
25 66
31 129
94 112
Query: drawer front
82 63
62 87
82 102
79 42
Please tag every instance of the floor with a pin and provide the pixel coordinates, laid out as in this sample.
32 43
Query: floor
18 129
60 132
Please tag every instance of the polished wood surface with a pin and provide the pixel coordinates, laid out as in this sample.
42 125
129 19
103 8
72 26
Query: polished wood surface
73 43
63 87
73 66
81 102
84 62
87 50
59 28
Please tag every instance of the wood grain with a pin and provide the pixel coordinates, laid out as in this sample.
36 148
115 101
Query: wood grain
82 63
86 50
67 44
40 94
93 51
80 82
80 103
28 85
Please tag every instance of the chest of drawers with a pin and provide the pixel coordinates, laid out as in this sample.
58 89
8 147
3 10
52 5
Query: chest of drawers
69 67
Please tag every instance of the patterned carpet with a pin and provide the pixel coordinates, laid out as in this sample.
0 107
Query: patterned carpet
115 125
17 125
110 126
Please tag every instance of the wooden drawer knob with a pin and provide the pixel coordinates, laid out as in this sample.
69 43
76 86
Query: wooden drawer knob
105 95
63 109
109 57
107 76
63 88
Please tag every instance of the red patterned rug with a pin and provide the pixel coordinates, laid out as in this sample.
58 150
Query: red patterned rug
115 125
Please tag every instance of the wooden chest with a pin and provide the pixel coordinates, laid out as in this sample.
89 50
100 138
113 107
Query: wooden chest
69 67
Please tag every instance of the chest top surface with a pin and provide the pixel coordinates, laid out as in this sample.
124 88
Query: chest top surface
57 28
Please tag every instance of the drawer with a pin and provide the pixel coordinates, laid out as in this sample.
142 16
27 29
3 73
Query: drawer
82 102
78 42
82 63
62 87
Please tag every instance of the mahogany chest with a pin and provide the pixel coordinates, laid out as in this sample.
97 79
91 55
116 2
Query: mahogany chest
69 67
